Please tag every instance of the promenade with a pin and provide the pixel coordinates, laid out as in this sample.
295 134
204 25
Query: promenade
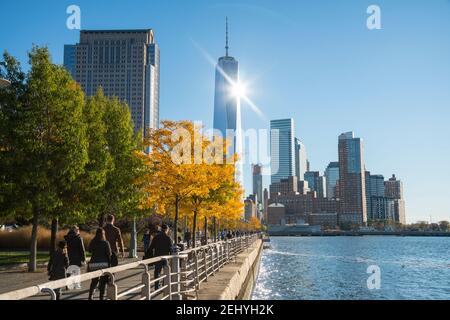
184 275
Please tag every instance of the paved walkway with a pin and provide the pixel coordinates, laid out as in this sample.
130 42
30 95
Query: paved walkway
11 280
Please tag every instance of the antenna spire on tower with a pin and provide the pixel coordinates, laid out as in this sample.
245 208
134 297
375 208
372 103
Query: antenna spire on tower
226 41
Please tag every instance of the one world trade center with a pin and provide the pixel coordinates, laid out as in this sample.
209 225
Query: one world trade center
227 114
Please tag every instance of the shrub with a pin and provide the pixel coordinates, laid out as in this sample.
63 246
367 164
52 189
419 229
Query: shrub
20 239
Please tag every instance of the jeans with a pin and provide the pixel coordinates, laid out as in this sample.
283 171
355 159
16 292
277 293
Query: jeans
158 268
103 281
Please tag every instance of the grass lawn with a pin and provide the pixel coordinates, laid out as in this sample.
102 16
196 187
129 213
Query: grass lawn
17 257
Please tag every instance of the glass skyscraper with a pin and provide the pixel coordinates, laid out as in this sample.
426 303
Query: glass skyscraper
125 63
282 149
332 176
227 117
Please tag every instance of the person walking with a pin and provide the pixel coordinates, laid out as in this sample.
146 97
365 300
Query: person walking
58 264
146 239
75 247
187 238
161 245
100 259
114 237
75 250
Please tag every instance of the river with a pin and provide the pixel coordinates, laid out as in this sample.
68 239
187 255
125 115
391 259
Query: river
323 268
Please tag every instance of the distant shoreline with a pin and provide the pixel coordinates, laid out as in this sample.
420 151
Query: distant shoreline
359 234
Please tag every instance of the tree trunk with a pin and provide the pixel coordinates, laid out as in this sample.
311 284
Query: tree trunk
194 230
54 231
175 223
133 240
33 245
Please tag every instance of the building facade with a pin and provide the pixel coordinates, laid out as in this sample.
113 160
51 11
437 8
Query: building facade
352 185
282 149
258 183
332 177
394 191
125 64
300 159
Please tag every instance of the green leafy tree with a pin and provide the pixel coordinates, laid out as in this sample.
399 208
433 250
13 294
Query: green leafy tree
49 146
122 192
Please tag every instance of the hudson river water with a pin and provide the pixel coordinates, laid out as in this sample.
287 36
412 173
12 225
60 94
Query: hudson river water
310 268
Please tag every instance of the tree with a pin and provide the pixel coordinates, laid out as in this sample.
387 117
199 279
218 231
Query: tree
122 192
49 147
185 171
443 225
254 224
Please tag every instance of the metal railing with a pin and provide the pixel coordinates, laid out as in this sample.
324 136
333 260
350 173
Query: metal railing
180 278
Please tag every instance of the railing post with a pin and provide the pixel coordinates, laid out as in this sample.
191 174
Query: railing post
112 287
175 278
197 280
146 278
51 292
183 277
167 281
205 264
211 250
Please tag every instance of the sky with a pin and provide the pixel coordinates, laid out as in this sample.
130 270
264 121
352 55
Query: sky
313 61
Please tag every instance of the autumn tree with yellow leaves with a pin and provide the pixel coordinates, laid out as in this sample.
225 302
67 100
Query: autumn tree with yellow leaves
186 169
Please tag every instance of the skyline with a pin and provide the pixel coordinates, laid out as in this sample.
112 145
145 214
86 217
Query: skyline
400 75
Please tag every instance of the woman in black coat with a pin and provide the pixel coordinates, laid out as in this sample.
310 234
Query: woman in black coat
100 259
75 247
58 264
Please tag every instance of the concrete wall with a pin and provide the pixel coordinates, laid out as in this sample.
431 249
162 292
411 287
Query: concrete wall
234 281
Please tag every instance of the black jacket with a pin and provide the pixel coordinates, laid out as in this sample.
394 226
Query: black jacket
75 248
161 246
100 250
57 266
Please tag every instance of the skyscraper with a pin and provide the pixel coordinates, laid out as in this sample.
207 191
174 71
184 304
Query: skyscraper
374 191
352 180
226 103
125 63
282 149
394 191
332 176
316 183
258 183
300 159
227 108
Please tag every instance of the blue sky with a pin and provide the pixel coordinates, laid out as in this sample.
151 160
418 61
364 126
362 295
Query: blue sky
314 61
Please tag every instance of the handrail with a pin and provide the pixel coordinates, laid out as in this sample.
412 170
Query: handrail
197 268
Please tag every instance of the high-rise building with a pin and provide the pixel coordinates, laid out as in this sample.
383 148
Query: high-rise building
226 102
321 187
227 109
312 178
300 159
258 183
250 208
382 209
332 176
394 190
282 149
352 185
316 183
374 188
124 63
